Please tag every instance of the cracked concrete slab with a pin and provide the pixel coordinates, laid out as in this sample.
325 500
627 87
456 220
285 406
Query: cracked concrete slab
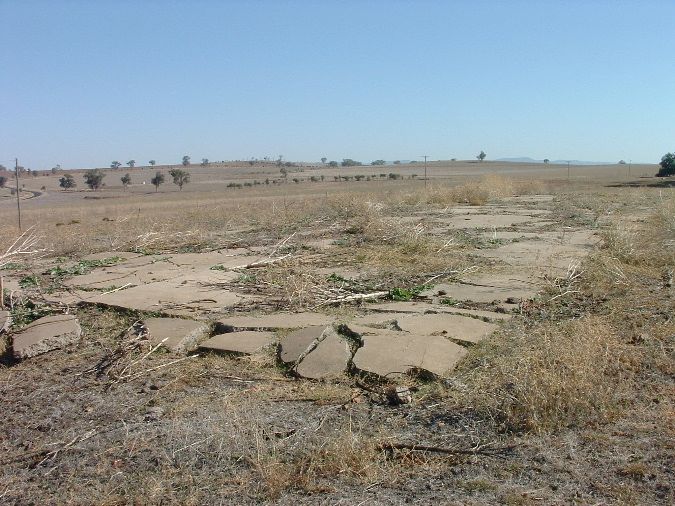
487 289
276 321
424 307
329 359
177 334
246 342
479 221
297 344
46 334
395 354
459 328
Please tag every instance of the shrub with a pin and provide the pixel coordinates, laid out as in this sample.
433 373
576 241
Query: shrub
667 165
93 178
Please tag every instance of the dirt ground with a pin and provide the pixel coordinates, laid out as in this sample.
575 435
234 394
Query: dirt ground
555 294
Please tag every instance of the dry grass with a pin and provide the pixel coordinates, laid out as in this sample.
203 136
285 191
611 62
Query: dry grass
554 376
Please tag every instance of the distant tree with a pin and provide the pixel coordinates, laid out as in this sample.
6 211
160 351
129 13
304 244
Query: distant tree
186 161
333 163
115 164
3 181
152 162
205 162
56 168
180 177
280 160
546 160
67 181
126 181
157 180
3 168
93 178
378 162
323 160
131 163
667 165
481 156
284 171
348 162
622 162
397 162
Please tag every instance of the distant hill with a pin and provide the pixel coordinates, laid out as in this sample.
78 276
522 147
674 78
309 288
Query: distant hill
527 159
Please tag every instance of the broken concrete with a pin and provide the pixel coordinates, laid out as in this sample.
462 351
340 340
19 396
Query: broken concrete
423 307
46 334
487 288
478 221
241 343
329 359
458 328
391 355
275 321
174 333
296 345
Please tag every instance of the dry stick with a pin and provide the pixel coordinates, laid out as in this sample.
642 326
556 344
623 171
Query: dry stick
121 374
448 451
161 366
280 244
260 263
359 296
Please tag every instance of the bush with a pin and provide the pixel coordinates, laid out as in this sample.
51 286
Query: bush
348 162
667 165
93 178
67 181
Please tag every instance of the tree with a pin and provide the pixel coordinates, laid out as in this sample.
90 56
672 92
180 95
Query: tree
157 180
323 160
205 162
667 165
332 163
186 161
378 162
348 162
115 164
152 162
56 168
622 162
546 160
481 156
131 163
126 181
180 177
284 171
93 178
67 181
3 181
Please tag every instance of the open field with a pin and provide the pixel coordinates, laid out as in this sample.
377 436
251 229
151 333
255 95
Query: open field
500 333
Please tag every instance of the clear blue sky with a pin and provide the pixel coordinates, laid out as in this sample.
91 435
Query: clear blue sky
87 82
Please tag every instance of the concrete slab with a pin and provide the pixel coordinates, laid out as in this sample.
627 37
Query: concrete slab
529 199
541 256
46 334
242 343
459 328
276 321
485 289
297 344
180 335
172 297
423 307
395 354
478 221
329 359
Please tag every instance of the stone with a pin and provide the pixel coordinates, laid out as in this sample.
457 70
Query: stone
243 343
297 344
46 334
457 327
275 321
5 321
392 355
328 359
180 335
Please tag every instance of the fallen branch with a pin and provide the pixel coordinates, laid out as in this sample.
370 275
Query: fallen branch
261 263
448 451
350 298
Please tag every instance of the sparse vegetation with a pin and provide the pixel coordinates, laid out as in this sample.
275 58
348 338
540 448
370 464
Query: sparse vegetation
157 180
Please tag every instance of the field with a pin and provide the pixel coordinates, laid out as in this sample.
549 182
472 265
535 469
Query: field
496 333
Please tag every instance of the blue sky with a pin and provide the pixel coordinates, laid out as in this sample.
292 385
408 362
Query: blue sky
87 82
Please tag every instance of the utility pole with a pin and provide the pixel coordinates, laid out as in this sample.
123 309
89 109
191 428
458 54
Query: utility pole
425 170
18 198
568 171
630 162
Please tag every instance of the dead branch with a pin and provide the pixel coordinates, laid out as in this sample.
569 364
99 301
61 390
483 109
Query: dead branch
351 298
481 450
